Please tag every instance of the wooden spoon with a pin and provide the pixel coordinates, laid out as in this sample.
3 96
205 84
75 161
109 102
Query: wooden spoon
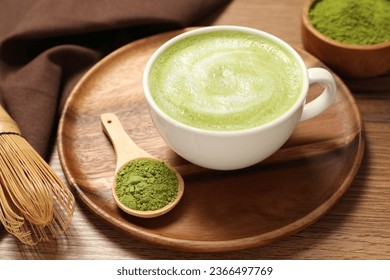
126 150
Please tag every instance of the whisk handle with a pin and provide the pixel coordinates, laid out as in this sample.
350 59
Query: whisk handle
7 124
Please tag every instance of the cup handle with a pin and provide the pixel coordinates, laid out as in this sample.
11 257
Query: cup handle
325 99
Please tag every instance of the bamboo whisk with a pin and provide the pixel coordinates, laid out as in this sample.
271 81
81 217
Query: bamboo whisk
35 205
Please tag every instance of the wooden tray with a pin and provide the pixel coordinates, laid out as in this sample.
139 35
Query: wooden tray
220 211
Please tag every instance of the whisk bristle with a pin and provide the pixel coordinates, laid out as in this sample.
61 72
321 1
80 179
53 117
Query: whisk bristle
35 205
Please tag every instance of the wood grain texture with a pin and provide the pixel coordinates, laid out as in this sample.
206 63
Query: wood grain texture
356 227
220 210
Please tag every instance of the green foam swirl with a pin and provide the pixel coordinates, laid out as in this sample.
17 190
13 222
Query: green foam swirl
225 80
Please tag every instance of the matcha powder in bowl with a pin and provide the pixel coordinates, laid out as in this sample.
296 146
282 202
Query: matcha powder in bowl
361 22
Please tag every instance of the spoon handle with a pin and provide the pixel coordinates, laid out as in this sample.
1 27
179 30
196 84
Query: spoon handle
125 149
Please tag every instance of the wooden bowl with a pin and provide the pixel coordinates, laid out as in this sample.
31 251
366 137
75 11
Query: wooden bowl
348 60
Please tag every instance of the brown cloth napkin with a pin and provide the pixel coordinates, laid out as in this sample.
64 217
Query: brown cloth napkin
46 46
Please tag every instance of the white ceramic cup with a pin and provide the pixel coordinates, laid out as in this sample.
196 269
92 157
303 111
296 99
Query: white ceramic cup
228 150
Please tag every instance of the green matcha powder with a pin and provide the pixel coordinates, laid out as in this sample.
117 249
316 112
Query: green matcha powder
361 22
146 185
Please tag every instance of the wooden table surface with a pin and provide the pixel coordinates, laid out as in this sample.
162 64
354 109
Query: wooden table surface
357 227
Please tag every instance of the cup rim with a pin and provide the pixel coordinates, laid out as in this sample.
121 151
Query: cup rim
298 103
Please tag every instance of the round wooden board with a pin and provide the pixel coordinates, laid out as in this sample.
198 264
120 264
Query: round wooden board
220 210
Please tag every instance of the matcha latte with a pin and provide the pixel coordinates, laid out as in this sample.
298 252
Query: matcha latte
225 80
